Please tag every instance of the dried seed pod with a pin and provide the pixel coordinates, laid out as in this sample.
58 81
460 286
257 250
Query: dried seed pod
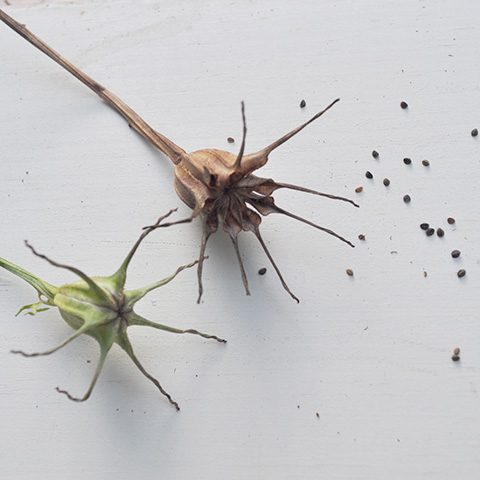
218 186
99 307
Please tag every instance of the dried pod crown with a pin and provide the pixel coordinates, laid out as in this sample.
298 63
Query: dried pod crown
99 307
217 185
221 188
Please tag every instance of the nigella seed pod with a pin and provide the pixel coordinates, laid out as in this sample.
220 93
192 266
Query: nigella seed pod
99 307
218 186
221 189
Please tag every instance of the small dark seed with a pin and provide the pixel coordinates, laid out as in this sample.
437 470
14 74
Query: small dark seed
303 104
230 140
425 274
407 161
424 226
406 198
318 415
430 232
349 272
262 271
455 358
461 273
455 253
368 174
474 132
374 154
456 351
358 189
440 232
404 105
426 163
450 220
386 182
361 236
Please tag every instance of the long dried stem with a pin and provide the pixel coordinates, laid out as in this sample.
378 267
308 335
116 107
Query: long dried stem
174 152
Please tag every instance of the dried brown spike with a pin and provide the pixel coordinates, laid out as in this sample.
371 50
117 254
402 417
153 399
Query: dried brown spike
217 185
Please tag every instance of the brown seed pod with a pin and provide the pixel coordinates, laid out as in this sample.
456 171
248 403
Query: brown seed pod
217 185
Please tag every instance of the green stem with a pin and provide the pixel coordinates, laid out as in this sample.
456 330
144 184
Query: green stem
43 288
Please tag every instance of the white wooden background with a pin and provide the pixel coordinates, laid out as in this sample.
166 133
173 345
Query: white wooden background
371 354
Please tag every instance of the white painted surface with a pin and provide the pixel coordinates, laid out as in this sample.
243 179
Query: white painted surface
370 354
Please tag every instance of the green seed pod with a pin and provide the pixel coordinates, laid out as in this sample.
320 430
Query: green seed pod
99 307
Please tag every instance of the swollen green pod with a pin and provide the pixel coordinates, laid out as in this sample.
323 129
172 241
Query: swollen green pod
99 307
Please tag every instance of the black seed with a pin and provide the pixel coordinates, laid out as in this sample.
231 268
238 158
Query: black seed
426 163
230 140
358 189
430 232
455 253
461 273
406 198
404 105
262 271
450 220
455 358
386 182
424 226
361 236
407 161
374 154
474 132
368 174
440 232
303 104
349 272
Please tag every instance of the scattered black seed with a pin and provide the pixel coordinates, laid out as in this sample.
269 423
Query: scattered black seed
461 273
425 274
455 253
349 272
424 226
407 161
318 415
455 358
404 105
359 189
368 174
386 182
303 104
230 140
440 232
429 232
361 236
375 154
406 198
450 220
426 163
262 271
474 132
